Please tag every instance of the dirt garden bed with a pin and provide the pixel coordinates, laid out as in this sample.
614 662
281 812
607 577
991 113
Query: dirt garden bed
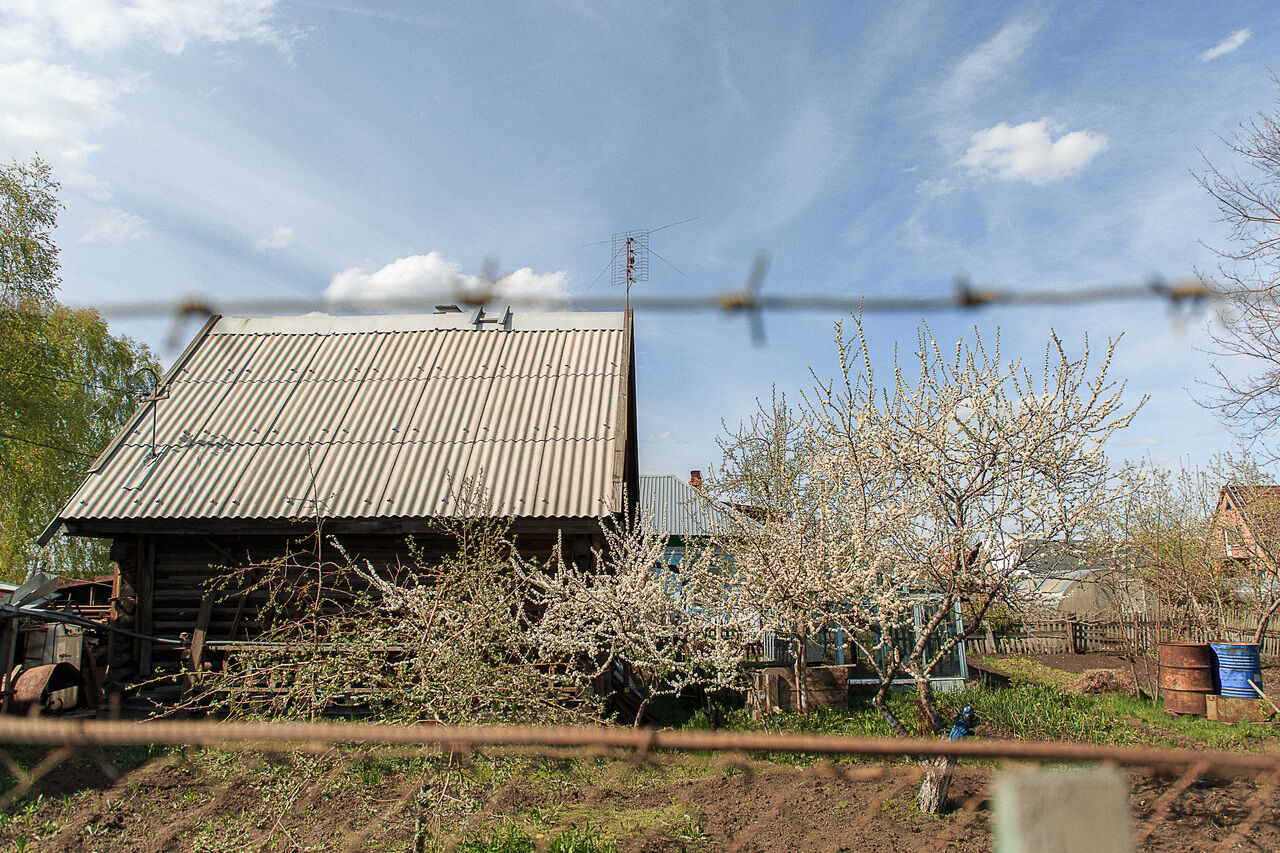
687 805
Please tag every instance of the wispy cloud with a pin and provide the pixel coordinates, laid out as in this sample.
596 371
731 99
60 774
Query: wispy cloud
1029 153
1227 45
277 239
103 26
431 275
990 60
50 99
115 226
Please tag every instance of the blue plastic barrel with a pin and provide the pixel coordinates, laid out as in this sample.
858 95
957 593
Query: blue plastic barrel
1238 663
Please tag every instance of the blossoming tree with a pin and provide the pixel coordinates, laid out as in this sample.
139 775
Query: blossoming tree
878 502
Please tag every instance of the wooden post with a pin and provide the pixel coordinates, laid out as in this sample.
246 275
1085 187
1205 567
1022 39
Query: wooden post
92 678
1062 811
146 596
200 632
10 642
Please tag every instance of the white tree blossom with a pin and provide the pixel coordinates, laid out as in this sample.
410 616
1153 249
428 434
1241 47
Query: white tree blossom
936 488
672 627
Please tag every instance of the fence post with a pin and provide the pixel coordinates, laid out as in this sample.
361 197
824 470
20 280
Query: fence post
1062 811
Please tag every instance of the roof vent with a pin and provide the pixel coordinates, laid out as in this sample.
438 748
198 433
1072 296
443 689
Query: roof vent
480 319
448 309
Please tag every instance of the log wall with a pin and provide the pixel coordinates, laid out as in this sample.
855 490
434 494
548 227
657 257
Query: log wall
163 580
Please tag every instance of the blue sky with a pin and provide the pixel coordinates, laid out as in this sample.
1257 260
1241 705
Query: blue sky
250 148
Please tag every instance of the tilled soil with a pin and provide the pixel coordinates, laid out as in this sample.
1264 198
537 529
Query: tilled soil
794 810
765 808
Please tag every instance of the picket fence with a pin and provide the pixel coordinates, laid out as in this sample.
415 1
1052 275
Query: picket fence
1141 635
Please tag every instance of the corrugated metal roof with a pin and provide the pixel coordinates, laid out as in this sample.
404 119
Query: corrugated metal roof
672 506
376 417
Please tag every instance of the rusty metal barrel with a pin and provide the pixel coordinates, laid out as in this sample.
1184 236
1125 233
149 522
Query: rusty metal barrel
1186 676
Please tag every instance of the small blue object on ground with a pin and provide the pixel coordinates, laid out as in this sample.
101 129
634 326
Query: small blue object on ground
964 723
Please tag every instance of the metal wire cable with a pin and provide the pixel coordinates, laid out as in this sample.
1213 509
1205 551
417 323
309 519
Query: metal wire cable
966 297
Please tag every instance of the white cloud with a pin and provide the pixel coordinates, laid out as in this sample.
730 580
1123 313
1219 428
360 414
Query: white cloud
989 61
103 26
277 239
51 104
53 109
430 275
1027 152
116 226
1228 44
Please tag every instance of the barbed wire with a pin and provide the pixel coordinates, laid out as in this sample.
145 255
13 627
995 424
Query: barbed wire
1180 293
643 741
1160 790
748 301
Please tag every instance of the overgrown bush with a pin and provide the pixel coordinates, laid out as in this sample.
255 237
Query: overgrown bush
446 640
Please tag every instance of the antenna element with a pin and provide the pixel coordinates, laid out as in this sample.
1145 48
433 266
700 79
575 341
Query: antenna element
630 262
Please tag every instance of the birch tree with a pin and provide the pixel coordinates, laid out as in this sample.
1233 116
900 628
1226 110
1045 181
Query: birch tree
66 383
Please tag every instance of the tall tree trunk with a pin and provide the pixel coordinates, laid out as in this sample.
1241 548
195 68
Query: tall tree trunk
937 781
801 662
932 798
929 705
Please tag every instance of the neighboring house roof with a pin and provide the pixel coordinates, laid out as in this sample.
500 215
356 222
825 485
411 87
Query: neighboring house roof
1259 508
377 417
673 507
1051 587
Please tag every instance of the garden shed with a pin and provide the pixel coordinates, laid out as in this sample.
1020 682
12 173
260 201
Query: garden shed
370 426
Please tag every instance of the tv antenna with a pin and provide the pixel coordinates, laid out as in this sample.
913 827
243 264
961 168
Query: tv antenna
629 260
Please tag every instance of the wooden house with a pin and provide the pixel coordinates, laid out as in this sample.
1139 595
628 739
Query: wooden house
370 426
1246 525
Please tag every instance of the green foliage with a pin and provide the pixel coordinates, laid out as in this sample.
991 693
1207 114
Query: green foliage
28 213
512 840
507 840
66 383
1030 671
1035 708
577 840
860 719
1040 712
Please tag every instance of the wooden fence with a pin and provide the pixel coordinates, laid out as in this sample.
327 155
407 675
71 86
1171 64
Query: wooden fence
1056 636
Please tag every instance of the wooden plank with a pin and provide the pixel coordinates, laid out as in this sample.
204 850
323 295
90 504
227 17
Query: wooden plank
143 613
201 630
92 677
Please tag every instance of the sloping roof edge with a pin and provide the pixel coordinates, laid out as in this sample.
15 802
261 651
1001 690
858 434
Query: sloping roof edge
567 414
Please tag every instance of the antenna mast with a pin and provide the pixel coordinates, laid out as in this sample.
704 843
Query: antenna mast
630 259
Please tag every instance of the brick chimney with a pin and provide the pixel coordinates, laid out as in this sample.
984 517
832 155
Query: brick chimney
695 479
